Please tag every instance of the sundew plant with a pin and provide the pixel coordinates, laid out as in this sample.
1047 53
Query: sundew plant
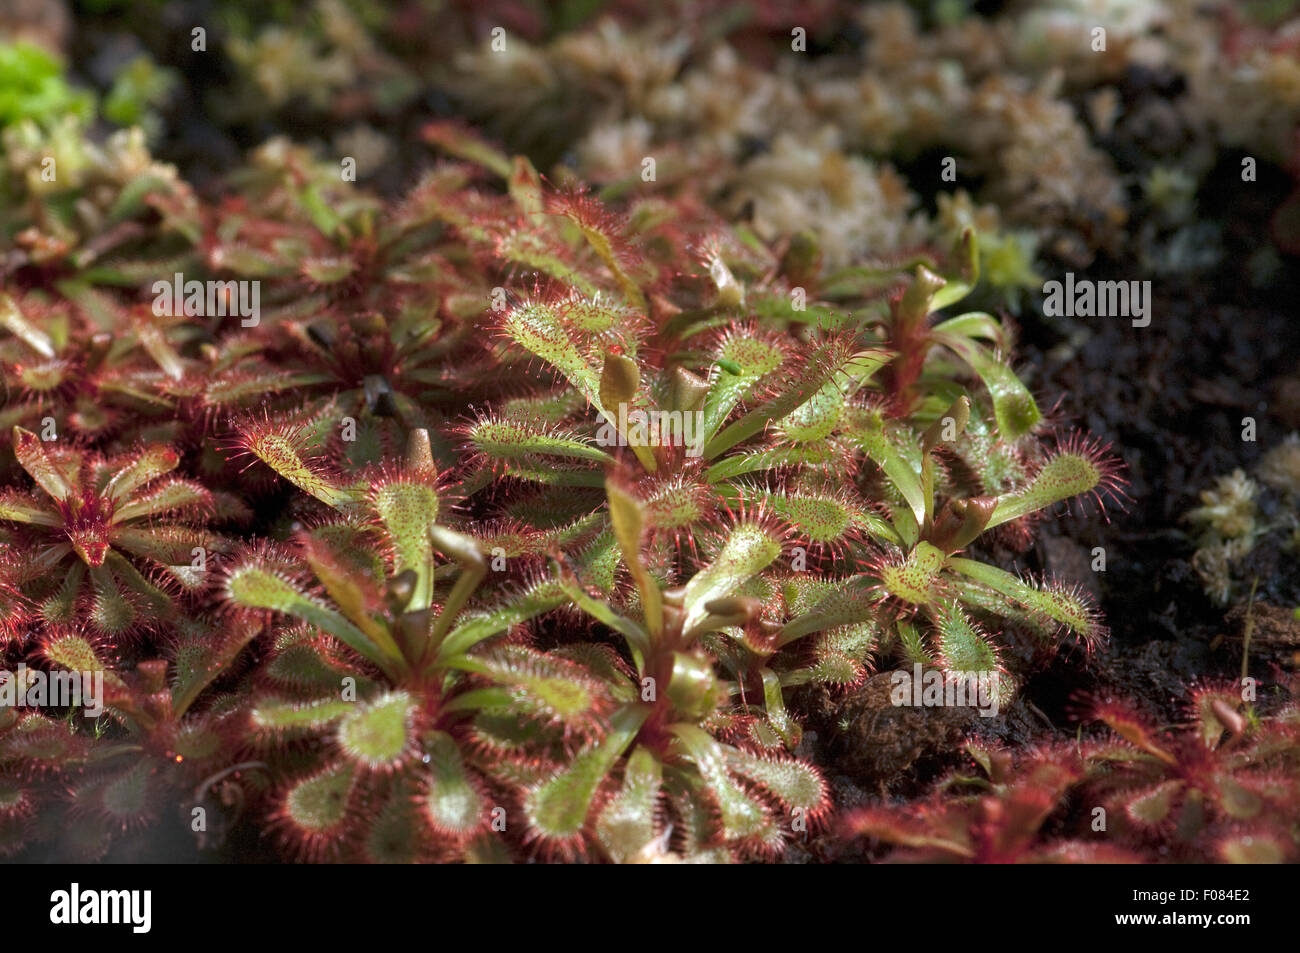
429 472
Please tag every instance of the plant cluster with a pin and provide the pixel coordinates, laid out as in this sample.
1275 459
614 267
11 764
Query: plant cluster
506 516
507 526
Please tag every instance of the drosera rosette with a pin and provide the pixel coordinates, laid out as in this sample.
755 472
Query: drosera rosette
394 766
921 599
160 730
662 774
117 541
58 365
1213 789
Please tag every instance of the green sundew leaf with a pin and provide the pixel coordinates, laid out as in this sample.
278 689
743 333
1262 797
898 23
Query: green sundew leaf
819 604
553 475
1153 806
627 516
834 670
819 517
503 732
393 836
257 588
967 254
1063 476
377 734
815 419
539 683
172 547
1253 848
896 453
301 666
326 220
518 438
55 472
61 607
205 659
777 716
452 802
254 262
239 390
1013 405
538 329
769 307
975 324
812 455
548 409
599 242
42 743
279 453
474 627
580 530
859 281
827 375
742 816
353 592
537 251
605 665
77 655
24 510
749 550
173 495
676 505
961 647
464 144
913 579
319 804
750 359
12 320
627 824
1059 604
1237 801
558 808
911 645
407 508
110 610
328 271
155 342
126 798
595 315
794 783
274 715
